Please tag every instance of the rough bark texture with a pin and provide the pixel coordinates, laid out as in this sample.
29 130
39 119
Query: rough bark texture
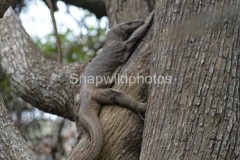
39 82
122 128
93 96
4 5
11 140
46 85
121 10
197 115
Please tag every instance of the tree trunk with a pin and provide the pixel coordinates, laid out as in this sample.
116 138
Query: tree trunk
196 42
122 128
48 85
196 116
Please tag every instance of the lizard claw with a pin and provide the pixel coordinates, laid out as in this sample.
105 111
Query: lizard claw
142 107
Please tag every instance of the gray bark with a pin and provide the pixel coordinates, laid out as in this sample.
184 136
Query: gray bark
44 84
12 144
197 115
121 127
122 11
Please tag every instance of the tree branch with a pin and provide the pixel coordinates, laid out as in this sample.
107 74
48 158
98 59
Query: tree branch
96 6
12 144
42 83
58 41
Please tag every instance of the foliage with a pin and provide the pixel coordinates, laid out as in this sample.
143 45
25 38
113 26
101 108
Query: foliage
80 48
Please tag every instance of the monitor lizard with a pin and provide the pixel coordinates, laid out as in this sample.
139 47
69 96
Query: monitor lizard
119 44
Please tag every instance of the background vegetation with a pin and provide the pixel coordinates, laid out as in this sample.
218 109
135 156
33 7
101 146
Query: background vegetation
50 136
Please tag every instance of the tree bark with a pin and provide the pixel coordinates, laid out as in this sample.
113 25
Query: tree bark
122 128
12 144
196 116
121 11
4 5
44 84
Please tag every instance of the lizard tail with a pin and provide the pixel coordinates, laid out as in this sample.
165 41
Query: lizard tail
89 120
91 123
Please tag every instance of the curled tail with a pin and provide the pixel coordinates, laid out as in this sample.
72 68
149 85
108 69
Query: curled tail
88 117
91 123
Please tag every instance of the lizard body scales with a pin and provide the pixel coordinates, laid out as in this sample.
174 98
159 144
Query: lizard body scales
119 45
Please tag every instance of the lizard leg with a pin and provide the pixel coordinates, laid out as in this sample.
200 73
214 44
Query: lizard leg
123 31
134 38
110 97
138 33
